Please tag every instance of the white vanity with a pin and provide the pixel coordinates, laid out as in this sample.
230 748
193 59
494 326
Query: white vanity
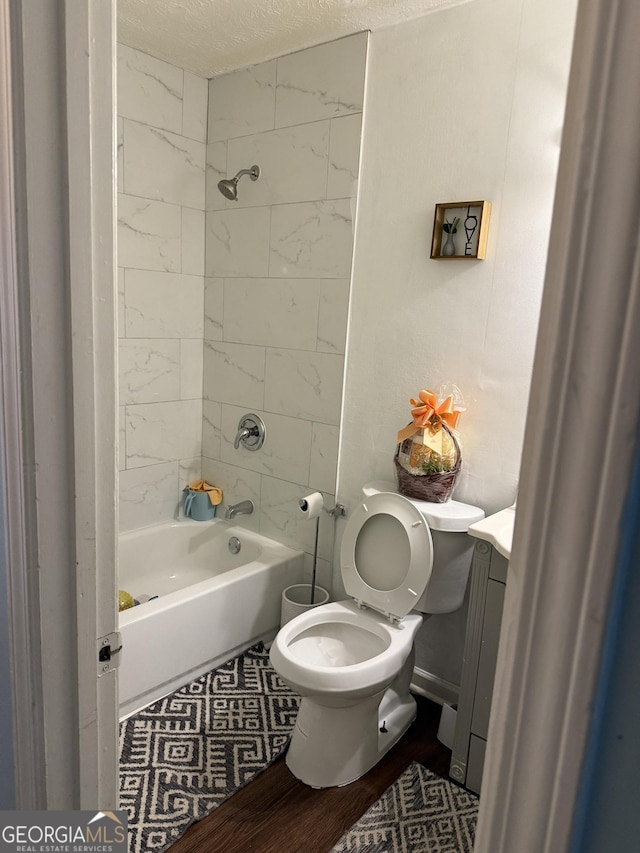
488 581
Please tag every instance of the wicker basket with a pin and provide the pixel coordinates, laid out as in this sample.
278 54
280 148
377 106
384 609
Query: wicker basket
435 488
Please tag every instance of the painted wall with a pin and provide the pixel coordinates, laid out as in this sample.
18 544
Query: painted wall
466 103
278 266
162 112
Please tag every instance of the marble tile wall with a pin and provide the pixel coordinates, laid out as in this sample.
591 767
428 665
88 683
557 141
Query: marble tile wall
162 127
278 266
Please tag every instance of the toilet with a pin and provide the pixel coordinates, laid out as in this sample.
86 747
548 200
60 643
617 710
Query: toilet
352 661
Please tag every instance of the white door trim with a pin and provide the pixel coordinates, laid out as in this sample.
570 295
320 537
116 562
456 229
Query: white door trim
91 147
582 429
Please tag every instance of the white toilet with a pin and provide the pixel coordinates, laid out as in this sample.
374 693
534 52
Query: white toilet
352 661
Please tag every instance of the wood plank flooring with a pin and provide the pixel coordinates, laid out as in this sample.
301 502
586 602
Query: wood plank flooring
275 813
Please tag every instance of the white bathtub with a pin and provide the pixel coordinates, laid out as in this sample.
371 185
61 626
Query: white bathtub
212 604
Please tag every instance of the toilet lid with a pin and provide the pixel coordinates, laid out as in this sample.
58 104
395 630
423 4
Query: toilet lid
386 554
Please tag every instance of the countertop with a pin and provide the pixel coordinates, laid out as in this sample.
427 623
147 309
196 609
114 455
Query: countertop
497 529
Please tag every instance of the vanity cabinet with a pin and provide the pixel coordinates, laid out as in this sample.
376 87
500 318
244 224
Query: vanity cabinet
488 582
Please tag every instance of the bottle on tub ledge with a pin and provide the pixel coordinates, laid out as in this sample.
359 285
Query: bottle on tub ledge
142 599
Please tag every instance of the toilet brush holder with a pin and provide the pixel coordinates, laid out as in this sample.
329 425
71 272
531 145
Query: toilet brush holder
296 599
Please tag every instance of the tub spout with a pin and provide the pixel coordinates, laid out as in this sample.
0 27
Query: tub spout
242 508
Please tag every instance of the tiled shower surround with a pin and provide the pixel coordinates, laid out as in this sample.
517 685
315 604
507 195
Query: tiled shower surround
277 265
162 114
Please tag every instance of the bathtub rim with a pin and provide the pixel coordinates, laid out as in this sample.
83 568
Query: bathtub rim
270 550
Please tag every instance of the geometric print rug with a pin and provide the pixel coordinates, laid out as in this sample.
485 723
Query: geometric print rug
419 813
185 754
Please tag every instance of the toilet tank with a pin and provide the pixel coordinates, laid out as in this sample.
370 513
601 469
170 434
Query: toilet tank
452 554
452 549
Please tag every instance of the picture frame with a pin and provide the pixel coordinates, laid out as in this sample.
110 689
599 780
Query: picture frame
469 240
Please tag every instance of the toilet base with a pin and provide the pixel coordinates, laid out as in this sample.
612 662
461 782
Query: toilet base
331 747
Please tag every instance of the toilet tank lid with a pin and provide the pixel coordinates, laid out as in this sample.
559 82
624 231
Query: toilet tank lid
451 516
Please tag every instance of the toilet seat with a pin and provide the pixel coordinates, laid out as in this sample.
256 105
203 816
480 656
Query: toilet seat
386 555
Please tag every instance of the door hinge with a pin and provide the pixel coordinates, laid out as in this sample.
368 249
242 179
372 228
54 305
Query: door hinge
109 649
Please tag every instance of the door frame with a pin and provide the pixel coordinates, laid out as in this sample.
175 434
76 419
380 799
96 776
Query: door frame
18 533
62 284
563 561
581 436
90 51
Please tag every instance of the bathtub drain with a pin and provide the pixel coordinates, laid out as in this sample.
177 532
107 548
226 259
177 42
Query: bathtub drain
234 545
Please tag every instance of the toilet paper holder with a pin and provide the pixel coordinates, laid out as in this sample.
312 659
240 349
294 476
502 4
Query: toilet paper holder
312 506
338 511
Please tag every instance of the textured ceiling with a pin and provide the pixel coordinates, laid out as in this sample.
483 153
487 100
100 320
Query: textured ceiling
210 37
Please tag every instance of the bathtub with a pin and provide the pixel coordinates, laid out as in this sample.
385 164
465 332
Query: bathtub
211 604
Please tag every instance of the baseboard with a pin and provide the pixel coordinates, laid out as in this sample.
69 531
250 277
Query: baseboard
433 687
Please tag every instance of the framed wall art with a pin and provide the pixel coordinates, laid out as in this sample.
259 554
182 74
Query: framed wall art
460 231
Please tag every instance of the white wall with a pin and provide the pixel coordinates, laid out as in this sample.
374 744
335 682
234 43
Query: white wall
162 116
462 104
278 264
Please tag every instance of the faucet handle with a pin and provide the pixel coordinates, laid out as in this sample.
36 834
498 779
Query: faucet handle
241 436
251 432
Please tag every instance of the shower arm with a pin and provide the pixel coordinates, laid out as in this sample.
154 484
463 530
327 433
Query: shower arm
229 186
253 172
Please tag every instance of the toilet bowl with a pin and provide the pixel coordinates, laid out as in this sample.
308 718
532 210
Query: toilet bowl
352 661
343 654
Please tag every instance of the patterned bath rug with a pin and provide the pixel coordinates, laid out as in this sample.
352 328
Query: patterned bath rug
185 754
419 813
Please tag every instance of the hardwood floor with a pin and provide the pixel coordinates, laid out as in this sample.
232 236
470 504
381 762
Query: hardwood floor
275 813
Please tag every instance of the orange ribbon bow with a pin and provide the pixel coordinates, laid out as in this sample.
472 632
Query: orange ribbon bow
428 414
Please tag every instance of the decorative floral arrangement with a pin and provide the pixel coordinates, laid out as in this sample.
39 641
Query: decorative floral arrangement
428 457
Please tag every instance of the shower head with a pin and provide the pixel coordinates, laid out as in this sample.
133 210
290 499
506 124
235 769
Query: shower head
229 186
229 189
